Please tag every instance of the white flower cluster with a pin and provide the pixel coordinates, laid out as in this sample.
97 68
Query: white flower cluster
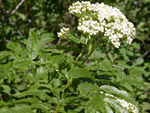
101 18
124 103
64 32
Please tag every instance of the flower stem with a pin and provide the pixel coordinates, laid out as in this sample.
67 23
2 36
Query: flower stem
78 57
91 49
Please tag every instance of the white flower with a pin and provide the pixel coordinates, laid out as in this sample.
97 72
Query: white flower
64 32
104 19
129 40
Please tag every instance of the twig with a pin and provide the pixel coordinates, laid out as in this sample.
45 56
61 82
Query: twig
145 54
17 7
24 84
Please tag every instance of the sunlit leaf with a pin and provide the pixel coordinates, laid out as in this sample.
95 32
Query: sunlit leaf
4 54
32 45
87 88
118 108
15 47
16 110
94 104
114 91
79 72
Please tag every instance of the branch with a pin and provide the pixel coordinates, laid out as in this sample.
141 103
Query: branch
17 7
145 54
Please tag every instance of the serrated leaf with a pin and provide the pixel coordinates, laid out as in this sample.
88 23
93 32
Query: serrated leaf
21 62
4 54
108 109
17 110
32 45
15 47
67 99
28 100
79 72
41 94
87 88
118 93
56 60
43 35
73 38
58 47
40 106
56 92
105 64
78 109
6 89
118 108
111 57
121 64
94 104
137 71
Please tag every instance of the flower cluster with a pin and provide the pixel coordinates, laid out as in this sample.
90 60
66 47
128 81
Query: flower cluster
64 32
122 102
101 18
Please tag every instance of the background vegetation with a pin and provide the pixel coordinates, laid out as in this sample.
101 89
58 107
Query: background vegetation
39 78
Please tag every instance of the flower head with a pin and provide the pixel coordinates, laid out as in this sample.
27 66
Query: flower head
104 19
64 32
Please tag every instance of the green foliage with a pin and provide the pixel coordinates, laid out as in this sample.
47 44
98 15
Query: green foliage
32 45
40 73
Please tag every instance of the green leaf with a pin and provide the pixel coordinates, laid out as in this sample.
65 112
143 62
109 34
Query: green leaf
79 72
41 94
68 98
108 108
78 109
41 107
94 104
21 15
121 64
83 39
32 45
15 47
72 111
28 100
4 54
58 47
111 57
139 61
73 38
56 92
47 35
118 108
21 62
56 60
130 53
17 110
145 107
137 71
87 88
6 89
119 93
105 64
